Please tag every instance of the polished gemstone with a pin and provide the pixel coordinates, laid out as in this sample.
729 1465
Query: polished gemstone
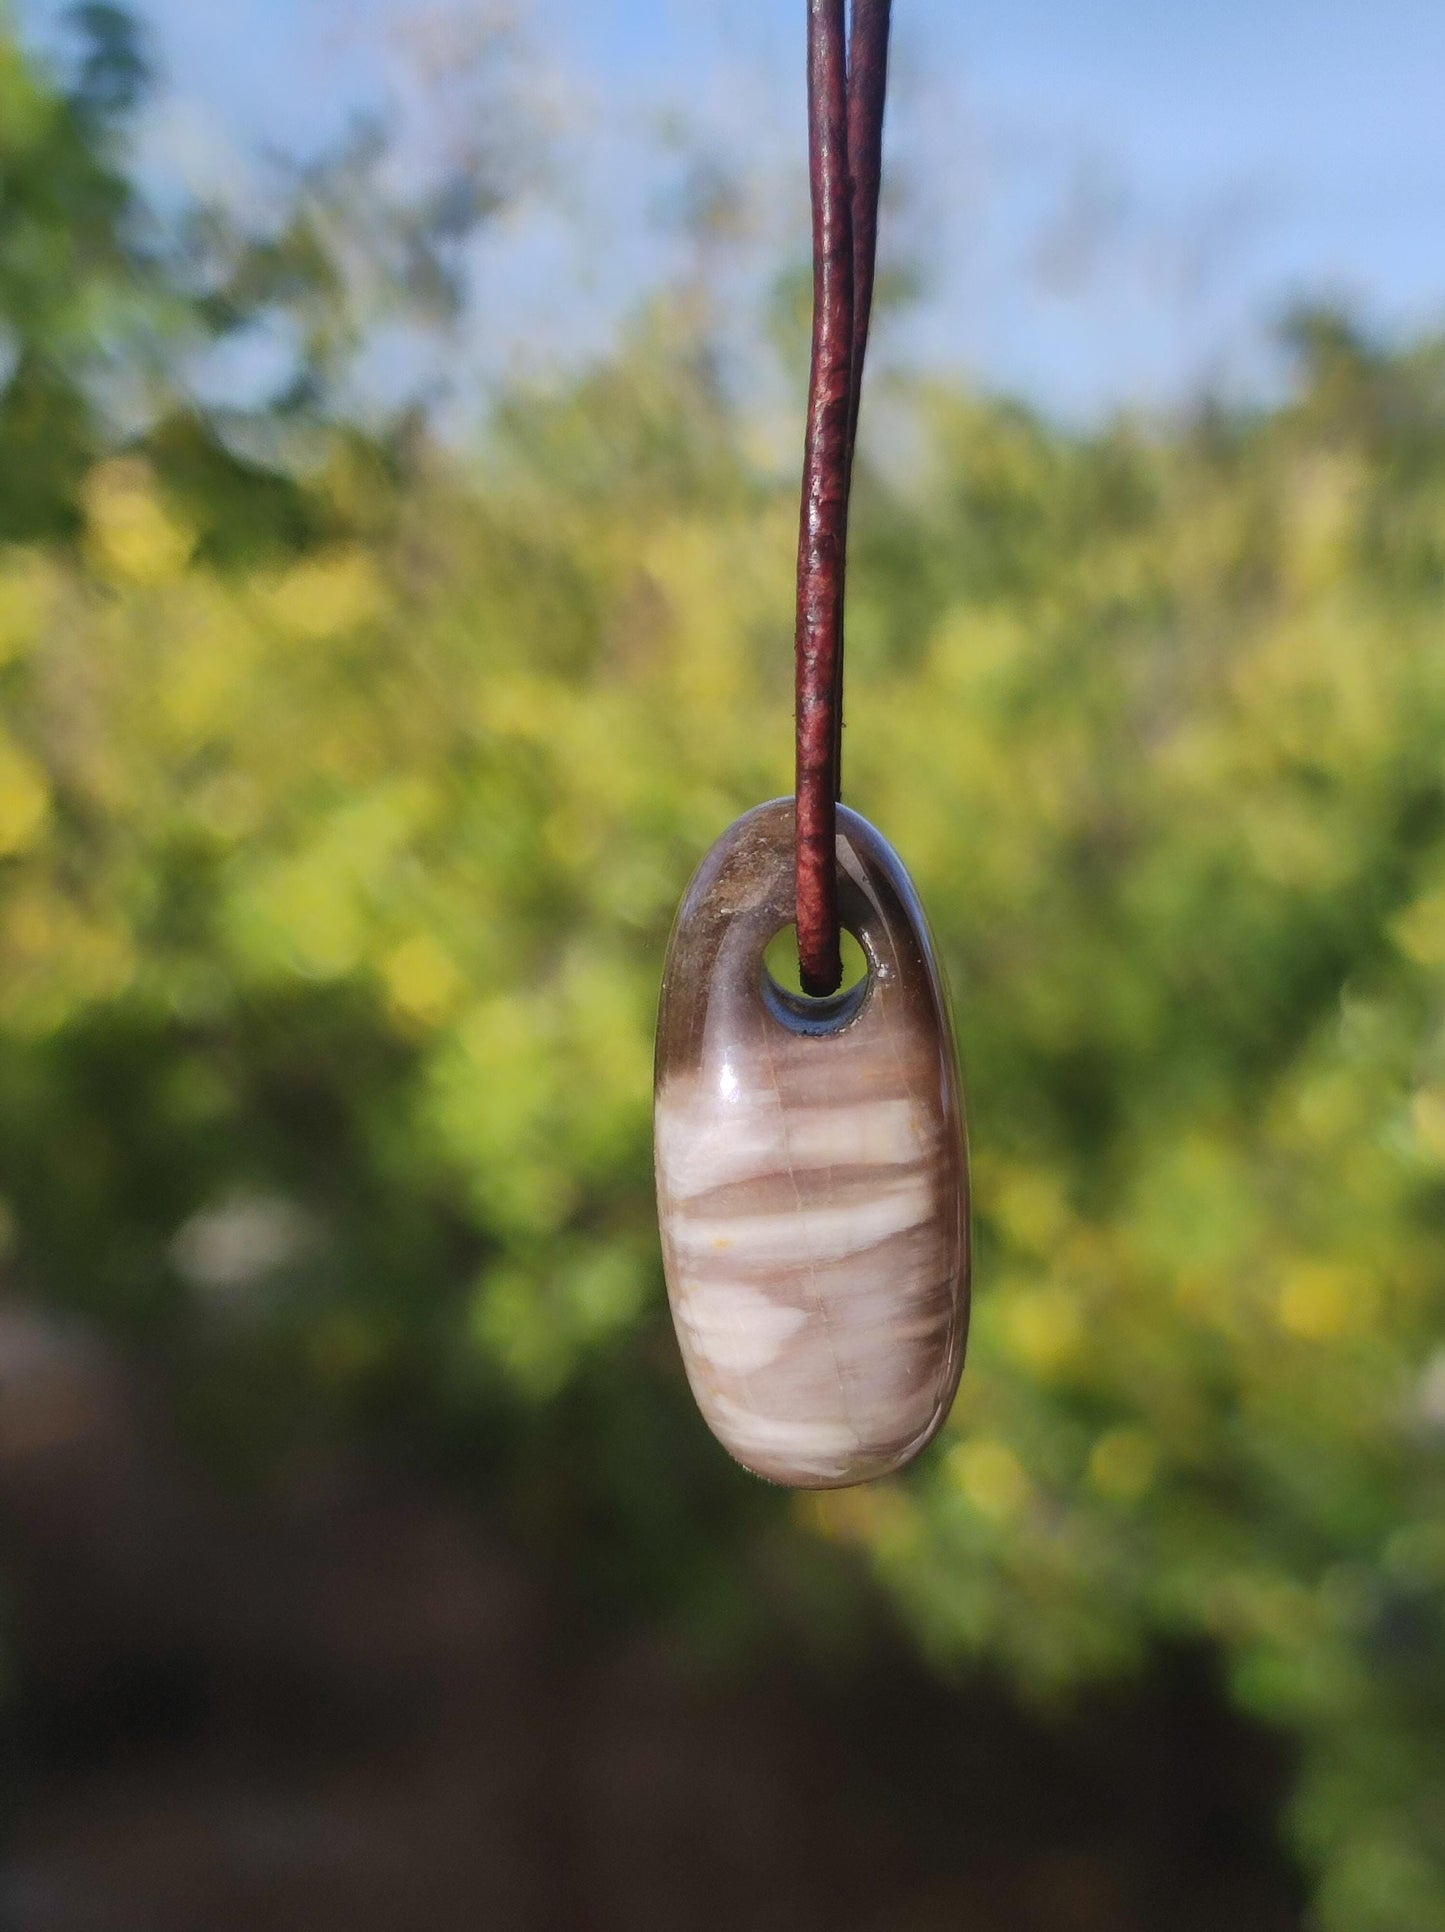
812 1178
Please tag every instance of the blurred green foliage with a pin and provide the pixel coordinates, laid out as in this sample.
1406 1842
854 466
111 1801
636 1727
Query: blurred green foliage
345 797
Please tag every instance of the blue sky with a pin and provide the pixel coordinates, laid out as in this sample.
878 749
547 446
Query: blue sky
1108 204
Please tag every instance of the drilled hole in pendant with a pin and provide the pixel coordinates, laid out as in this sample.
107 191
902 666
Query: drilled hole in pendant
783 987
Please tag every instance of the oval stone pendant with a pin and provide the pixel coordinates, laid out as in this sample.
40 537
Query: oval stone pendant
812 1177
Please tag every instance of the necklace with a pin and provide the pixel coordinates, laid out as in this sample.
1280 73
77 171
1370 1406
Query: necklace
812 1172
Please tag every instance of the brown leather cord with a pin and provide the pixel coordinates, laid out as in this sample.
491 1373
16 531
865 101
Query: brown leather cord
845 121
867 87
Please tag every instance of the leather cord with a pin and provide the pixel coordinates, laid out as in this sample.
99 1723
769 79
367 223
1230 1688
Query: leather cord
846 88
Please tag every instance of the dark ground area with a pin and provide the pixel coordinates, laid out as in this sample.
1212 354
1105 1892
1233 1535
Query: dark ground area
353 1707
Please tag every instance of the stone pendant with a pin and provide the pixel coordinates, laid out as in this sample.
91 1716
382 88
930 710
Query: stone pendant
812 1176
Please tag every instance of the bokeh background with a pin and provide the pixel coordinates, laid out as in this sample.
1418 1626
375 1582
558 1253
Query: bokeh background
400 415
